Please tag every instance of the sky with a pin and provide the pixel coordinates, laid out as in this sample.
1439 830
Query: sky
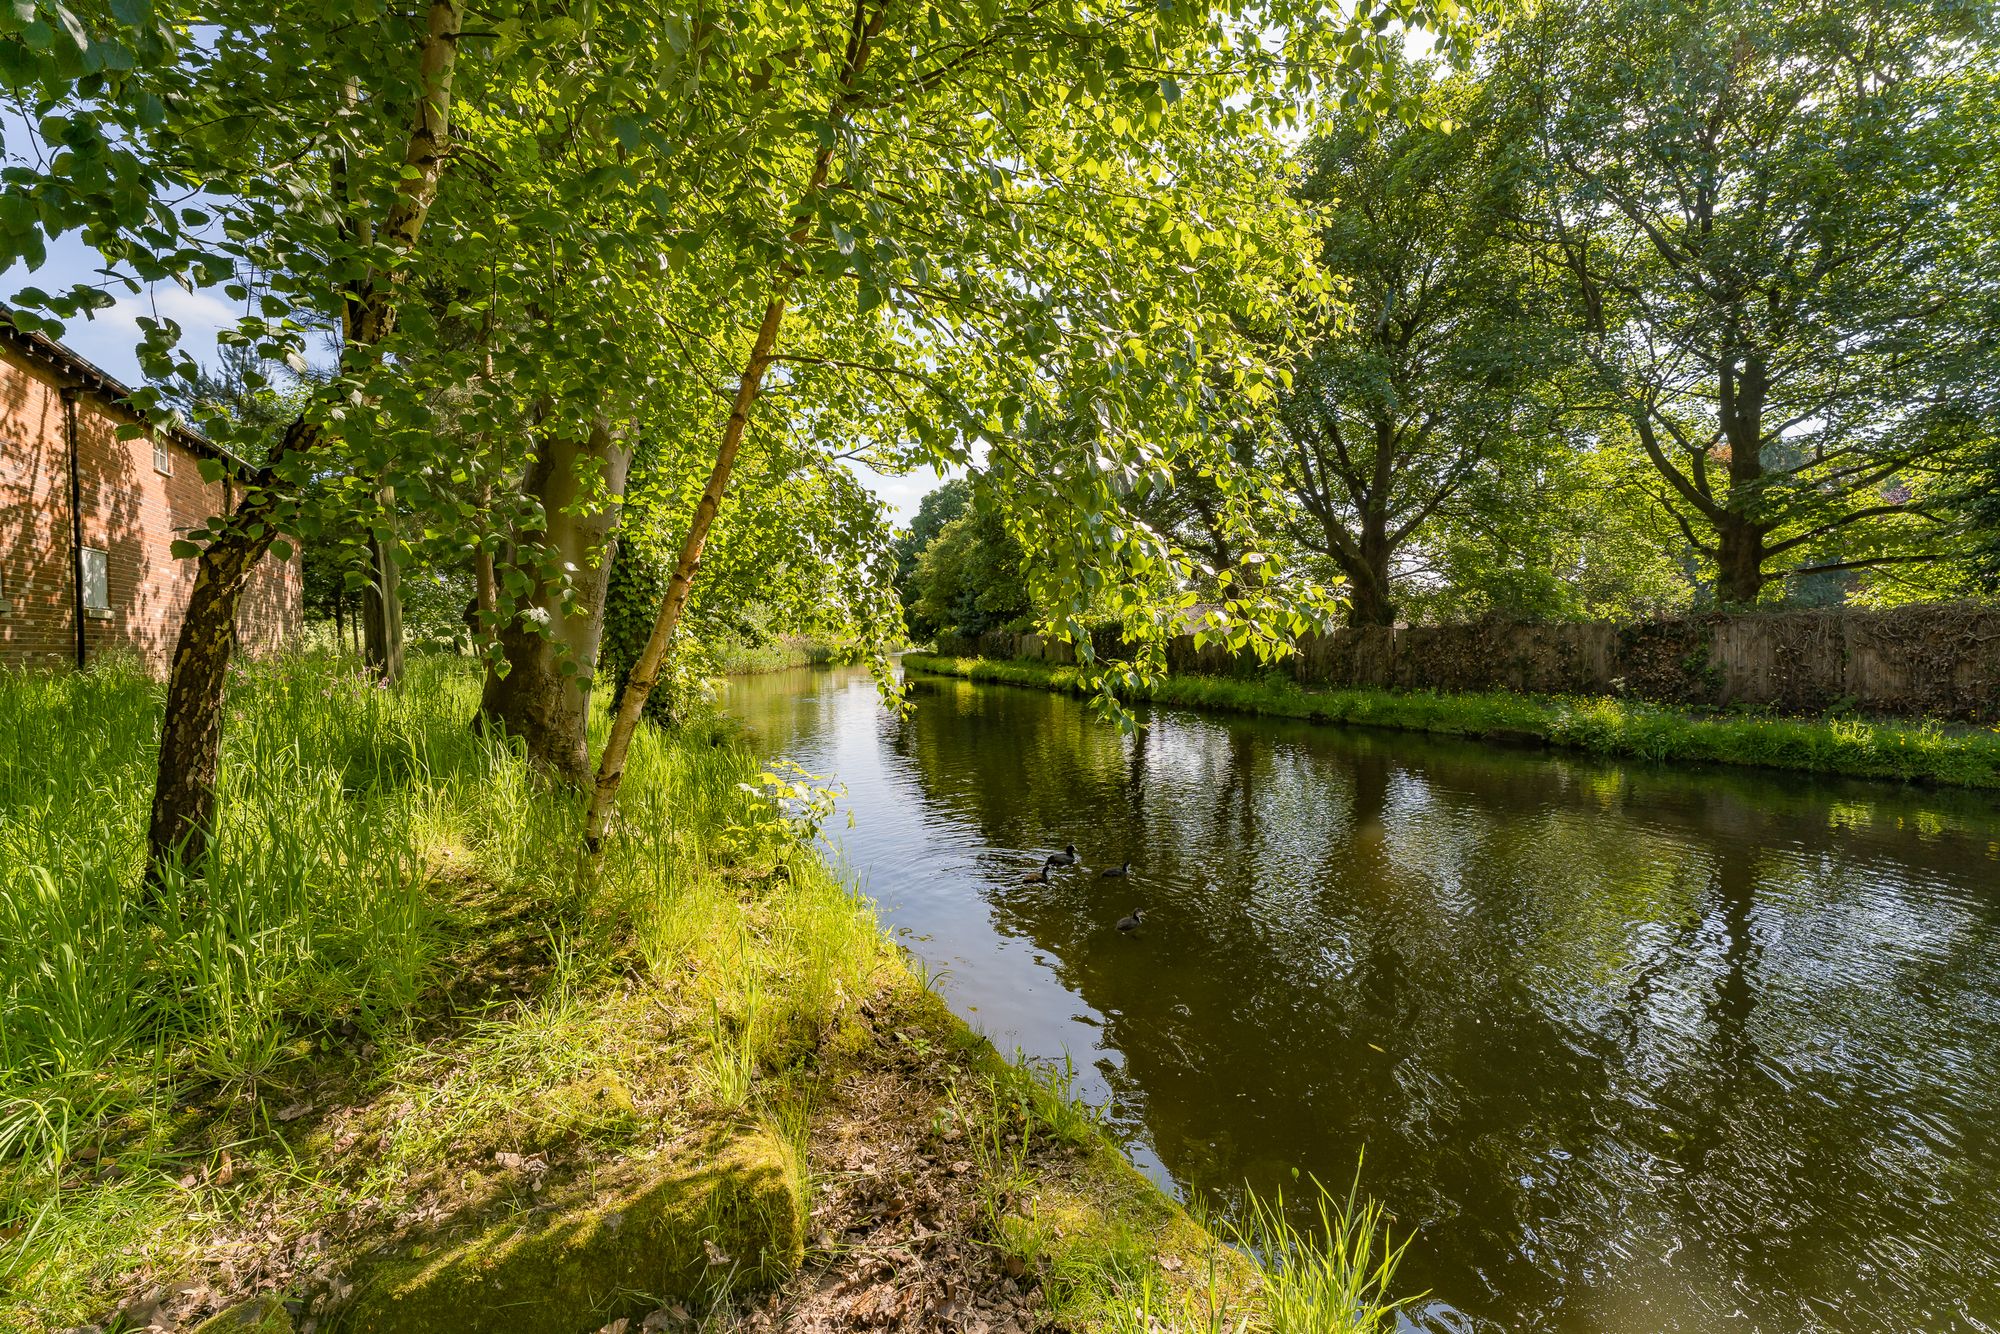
108 340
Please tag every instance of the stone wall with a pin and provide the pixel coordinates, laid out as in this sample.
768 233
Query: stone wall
1940 661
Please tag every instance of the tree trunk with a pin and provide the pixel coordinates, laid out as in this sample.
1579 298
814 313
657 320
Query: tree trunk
183 814
1368 600
1739 561
1741 386
550 643
382 599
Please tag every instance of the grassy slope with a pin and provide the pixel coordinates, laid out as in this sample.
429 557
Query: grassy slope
1609 727
395 1004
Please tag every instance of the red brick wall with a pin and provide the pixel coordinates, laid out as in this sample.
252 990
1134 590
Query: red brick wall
131 511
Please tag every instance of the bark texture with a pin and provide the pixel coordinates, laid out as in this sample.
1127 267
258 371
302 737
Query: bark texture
550 643
183 814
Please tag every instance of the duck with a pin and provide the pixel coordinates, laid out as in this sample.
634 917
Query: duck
1040 877
1118 872
1067 857
1132 921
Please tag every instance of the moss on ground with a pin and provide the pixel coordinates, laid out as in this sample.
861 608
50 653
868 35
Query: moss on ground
726 1214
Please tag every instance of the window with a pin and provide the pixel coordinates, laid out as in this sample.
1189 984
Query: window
163 456
96 582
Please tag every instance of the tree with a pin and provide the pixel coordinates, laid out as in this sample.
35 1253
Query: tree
191 736
969 581
939 507
1438 379
1759 212
1021 197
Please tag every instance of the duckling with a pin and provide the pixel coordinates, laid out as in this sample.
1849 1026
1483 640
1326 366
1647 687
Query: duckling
1040 877
1131 923
1067 857
1115 872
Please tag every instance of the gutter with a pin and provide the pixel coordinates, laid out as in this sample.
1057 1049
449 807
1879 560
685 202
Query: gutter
75 525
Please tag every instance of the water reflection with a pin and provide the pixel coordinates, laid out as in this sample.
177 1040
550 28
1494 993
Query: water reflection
1633 1050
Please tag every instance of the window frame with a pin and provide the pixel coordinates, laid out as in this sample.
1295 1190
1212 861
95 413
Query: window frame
163 455
103 581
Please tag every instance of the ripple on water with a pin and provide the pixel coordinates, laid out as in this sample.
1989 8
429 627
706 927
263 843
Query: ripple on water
1632 1050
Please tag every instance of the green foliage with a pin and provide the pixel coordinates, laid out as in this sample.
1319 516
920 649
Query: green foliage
938 507
1981 499
1775 224
626 189
1569 539
1437 392
1613 728
969 579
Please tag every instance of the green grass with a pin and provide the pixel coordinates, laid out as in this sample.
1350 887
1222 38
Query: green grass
398 974
1614 728
386 881
738 657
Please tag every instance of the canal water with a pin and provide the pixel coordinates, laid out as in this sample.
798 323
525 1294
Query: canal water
1630 1048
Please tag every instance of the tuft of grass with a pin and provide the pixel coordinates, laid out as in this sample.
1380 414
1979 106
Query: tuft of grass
1333 1276
1612 728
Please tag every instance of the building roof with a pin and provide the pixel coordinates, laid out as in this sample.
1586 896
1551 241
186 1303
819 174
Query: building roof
67 364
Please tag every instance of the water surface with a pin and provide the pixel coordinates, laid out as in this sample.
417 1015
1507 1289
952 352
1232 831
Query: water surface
1632 1049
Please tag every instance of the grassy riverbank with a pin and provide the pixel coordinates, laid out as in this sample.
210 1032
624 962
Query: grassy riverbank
1622 729
738 657
397 1055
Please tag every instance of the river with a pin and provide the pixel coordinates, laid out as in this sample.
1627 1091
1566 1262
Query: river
1632 1049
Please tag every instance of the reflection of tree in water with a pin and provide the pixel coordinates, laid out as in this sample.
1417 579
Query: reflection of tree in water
1559 1004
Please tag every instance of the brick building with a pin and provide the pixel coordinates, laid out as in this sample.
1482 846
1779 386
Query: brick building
87 520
